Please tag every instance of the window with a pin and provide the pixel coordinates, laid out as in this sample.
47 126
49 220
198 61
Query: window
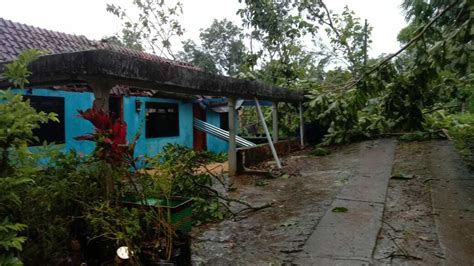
115 107
224 121
51 131
162 120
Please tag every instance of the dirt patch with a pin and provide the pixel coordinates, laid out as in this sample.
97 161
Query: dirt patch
408 233
300 196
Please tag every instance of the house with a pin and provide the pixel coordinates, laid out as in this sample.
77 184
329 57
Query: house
159 118
156 97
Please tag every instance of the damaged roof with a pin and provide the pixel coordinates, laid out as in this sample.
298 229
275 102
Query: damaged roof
78 60
16 37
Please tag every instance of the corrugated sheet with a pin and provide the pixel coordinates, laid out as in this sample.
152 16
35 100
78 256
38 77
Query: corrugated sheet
220 133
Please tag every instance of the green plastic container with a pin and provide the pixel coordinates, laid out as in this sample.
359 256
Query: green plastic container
180 210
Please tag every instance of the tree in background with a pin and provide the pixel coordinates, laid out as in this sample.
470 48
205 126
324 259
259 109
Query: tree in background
278 28
349 39
222 48
224 41
195 55
156 24
285 30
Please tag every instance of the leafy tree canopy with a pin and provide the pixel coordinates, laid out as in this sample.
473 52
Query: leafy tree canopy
222 48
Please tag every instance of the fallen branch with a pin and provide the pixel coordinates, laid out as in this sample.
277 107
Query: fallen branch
429 179
352 83
391 227
405 256
215 193
414 39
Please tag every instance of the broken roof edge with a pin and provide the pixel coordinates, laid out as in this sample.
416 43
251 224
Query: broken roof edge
114 68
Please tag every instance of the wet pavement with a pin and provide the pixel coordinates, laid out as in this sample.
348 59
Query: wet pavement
349 237
274 235
428 218
452 192
424 220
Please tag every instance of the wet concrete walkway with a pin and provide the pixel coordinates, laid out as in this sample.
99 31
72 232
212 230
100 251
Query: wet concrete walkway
348 238
301 228
452 192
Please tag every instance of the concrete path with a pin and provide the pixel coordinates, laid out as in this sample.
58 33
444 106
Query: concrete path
452 192
348 238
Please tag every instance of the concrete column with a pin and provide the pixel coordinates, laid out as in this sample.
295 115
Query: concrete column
101 90
275 121
232 153
301 125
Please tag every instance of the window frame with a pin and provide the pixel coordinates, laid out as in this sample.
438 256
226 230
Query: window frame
162 115
58 129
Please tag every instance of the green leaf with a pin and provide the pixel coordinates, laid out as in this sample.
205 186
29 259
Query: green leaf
339 209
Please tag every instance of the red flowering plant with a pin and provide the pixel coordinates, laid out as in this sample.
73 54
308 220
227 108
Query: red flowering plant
109 136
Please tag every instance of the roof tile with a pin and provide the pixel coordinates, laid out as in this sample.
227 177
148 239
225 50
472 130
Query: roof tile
15 37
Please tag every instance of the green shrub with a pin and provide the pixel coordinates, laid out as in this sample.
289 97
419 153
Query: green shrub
17 121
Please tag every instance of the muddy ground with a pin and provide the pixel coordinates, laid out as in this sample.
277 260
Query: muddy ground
408 233
302 195
299 198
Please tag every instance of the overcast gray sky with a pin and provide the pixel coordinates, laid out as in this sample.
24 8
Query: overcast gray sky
89 17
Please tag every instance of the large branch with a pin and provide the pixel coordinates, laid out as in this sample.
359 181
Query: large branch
351 83
406 46
335 30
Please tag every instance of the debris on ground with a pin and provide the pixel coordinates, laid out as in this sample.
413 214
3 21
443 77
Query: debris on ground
318 151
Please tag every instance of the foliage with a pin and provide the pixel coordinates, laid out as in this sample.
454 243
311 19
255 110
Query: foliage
17 71
397 97
222 49
116 223
349 39
174 173
154 28
195 55
10 240
187 176
220 157
17 120
276 23
110 137
50 200
460 127
15 132
280 27
319 151
366 98
224 42
52 207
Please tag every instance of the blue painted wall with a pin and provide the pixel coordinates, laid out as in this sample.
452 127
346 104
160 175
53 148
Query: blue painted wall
76 126
136 123
213 143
